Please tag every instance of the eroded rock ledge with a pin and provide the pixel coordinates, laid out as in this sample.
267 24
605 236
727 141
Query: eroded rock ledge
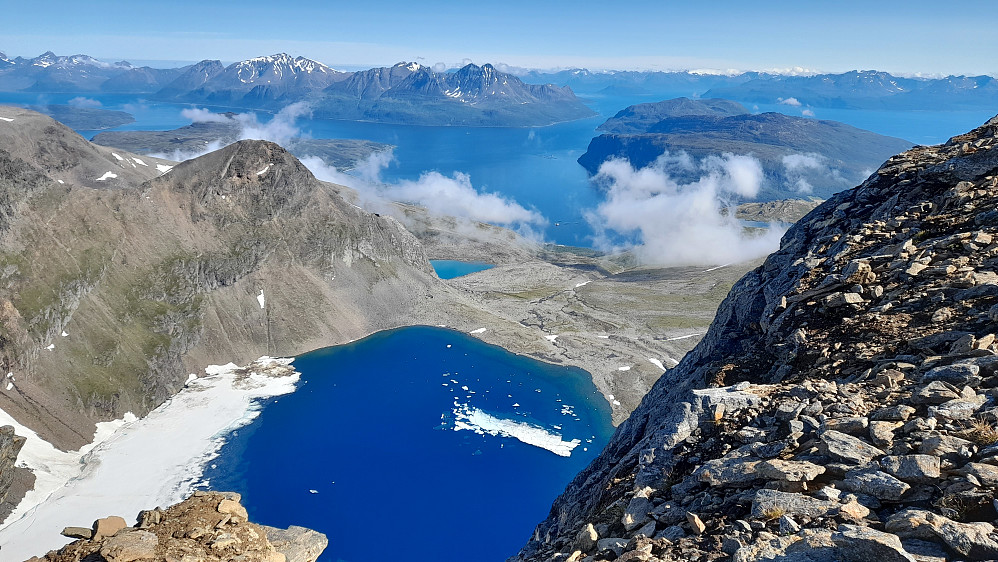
843 405
206 527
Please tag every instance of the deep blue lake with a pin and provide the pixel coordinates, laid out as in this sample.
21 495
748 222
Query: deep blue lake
449 269
366 448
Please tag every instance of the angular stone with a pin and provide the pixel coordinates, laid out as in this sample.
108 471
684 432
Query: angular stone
108 526
882 432
900 412
957 374
921 469
853 425
943 445
615 544
854 510
864 543
958 409
790 471
130 546
647 530
875 483
78 533
848 448
773 503
835 300
728 471
636 513
788 526
936 392
586 539
986 474
972 540
233 508
695 523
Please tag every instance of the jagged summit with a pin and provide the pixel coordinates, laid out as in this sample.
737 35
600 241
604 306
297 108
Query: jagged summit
843 396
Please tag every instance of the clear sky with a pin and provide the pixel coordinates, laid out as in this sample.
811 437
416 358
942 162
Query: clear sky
913 36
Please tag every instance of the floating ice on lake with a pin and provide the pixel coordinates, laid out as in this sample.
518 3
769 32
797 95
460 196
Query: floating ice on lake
474 419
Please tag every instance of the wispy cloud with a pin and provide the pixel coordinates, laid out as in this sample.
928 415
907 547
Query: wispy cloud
84 103
452 196
668 222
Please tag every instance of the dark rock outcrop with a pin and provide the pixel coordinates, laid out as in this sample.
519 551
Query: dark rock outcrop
866 346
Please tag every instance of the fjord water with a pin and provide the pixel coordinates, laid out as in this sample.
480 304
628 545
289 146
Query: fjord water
534 166
449 269
366 449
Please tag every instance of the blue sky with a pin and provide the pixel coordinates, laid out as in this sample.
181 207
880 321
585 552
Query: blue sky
906 37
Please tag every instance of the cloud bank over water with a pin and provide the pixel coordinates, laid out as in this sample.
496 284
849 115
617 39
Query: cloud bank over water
669 222
452 195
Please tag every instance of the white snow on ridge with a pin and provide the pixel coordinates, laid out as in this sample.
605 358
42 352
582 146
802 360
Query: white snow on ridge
682 337
551 338
478 331
139 161
260 299
263 171
474 419
163 168
107 175
7 119
656 362
116 157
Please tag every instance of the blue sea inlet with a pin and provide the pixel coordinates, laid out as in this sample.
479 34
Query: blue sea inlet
422 439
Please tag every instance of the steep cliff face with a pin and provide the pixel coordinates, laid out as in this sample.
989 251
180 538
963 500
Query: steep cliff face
110 295
847 381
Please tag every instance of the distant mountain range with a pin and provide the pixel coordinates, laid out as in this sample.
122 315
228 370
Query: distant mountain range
405 93
857 89
800 157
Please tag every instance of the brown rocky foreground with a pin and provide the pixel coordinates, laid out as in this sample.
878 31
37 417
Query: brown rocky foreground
843 405
206 527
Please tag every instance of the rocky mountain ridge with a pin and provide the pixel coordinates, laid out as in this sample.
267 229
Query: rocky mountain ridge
842 404
160 269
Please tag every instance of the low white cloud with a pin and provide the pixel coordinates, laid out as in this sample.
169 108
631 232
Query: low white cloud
807 113
279 129
84 103
200 115
453 195
798 167
670 222
793 102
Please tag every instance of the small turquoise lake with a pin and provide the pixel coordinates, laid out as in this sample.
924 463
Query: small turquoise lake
421 439
449 269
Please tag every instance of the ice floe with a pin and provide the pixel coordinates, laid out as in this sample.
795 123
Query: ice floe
474 419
